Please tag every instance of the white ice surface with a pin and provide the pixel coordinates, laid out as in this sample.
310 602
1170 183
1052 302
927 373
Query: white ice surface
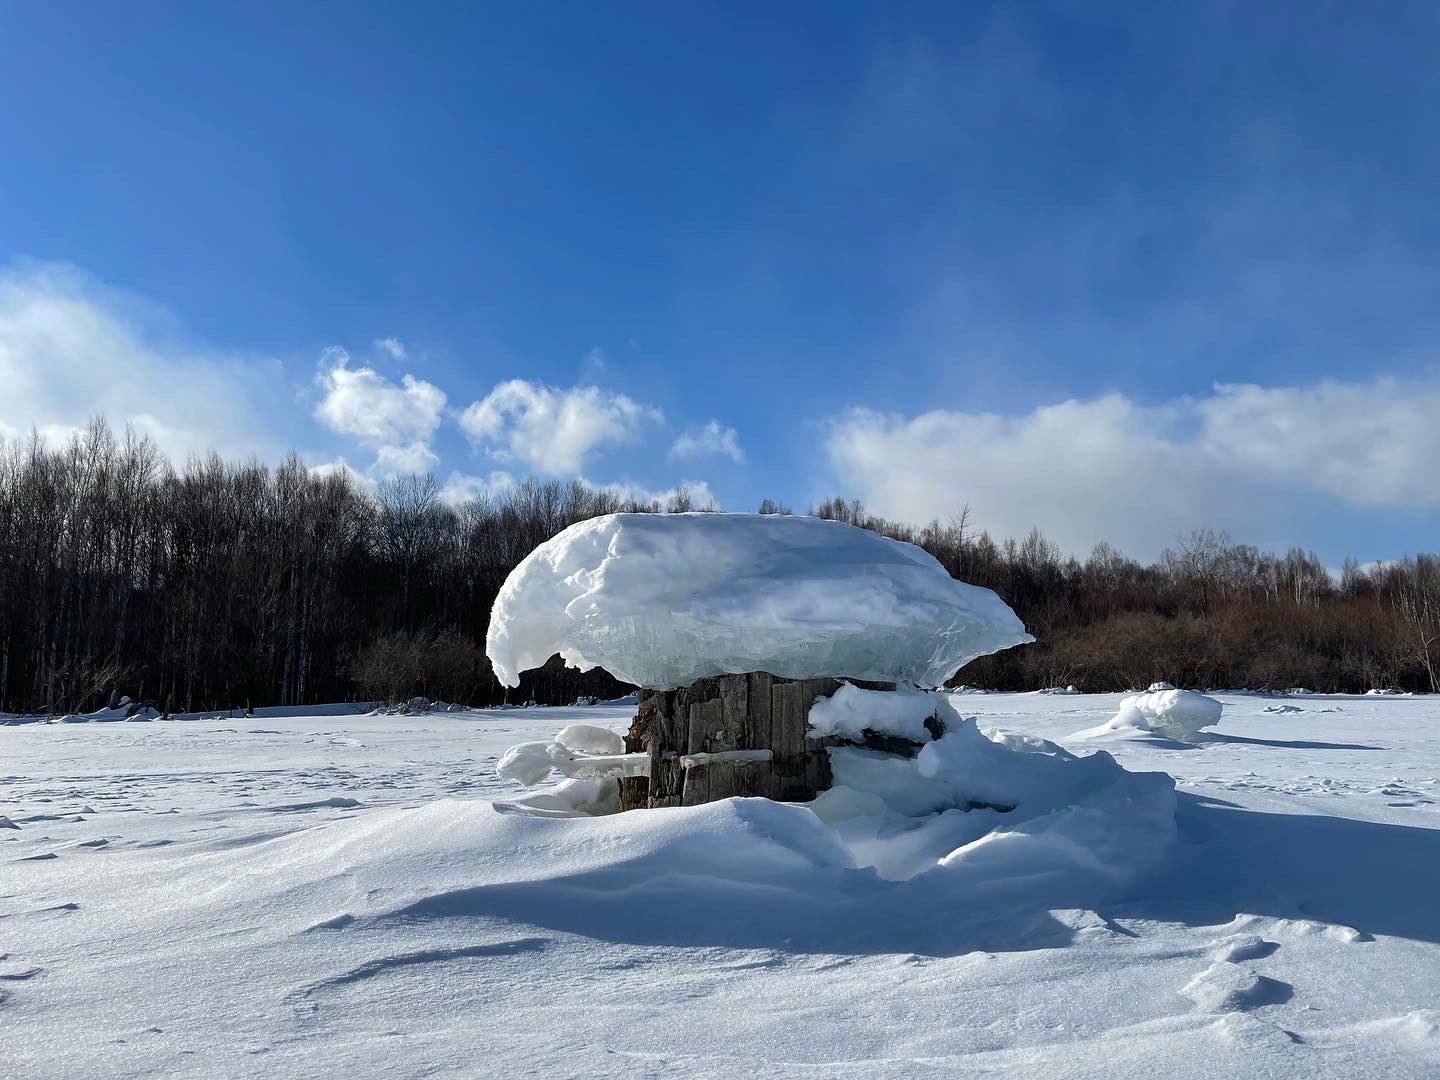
339 896
661 600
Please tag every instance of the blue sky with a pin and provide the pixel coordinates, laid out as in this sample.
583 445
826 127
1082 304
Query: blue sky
1117 270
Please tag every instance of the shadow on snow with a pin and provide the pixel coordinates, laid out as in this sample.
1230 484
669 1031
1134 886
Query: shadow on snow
1376 878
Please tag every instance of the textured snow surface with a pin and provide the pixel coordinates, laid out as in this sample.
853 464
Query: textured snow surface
661 600
342 896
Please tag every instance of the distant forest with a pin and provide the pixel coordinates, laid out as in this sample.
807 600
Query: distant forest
224 583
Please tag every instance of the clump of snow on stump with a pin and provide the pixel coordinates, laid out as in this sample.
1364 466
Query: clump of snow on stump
663 600
851 711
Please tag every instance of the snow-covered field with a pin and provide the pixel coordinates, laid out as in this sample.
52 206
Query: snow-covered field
338 896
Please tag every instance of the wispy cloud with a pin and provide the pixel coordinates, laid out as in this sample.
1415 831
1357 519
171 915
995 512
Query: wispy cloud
714 439
550 430
392 347
71 348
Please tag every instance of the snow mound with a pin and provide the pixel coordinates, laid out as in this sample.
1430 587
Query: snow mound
1172 714
662 600
122 712
990 810
1227 987
995 808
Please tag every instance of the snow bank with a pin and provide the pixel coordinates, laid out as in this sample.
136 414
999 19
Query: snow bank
997 807
663 600
991 807
1172 714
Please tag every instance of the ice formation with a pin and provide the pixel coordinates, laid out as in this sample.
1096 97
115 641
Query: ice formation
663 600
1173 714
528 763
589 739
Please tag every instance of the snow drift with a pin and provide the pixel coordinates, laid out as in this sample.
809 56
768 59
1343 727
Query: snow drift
991 809
663 600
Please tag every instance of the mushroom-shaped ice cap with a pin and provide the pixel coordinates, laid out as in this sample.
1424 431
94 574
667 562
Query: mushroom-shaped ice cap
660 600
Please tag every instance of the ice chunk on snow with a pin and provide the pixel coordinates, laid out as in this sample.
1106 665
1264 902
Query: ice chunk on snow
1174 714
1179 714
851 710
663 600
588 739
526 763
580 751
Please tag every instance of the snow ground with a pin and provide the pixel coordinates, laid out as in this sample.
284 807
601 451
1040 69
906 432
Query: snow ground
336 895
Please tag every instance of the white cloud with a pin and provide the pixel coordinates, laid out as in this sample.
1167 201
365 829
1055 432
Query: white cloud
552 430
70 349
363 404
713 440
461 487
393 347
413 457
1373 444
1243 458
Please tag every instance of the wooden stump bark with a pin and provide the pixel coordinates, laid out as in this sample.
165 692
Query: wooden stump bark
755 711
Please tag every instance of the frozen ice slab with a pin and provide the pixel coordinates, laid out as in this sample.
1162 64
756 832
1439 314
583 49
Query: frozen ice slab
662 600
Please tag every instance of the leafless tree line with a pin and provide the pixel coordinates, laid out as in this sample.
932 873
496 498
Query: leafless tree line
1208 613
223 582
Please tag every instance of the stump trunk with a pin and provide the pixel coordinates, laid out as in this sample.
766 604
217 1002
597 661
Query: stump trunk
754 711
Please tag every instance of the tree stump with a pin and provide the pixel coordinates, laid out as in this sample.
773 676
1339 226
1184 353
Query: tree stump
707 741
